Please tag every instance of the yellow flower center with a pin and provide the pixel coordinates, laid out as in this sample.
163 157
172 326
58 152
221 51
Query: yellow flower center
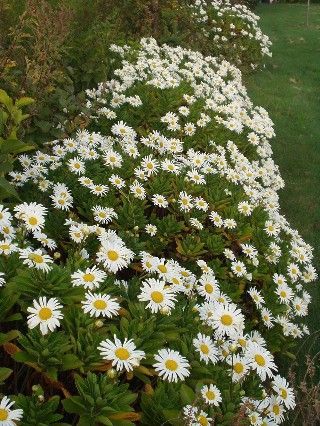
259 359
284 393
209 288
1 216
88 278
36 258
283 294
238 367
210 395
276 409
61 201
122 353
6 230
3 414
242 342
33 220
148 264
162 268
226 319
171 365
204 349
203 421
4 247
150 166
174 280
157 296
100 304
45 314
113 255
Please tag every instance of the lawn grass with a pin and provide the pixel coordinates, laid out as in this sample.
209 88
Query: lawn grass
289 88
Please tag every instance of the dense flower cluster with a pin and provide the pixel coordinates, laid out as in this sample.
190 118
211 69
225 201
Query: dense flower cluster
233 30
166 213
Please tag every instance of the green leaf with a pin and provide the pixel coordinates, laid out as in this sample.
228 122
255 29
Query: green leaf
104 420
74 405
4 373
70 362
10 335
187 394
14 146
22 357
5 99
7 190
24 101
172 416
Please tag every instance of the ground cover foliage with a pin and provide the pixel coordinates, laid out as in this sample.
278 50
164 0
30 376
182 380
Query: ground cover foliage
148 276
44 55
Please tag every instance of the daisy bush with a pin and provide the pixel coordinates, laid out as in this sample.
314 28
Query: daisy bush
148 267
232 31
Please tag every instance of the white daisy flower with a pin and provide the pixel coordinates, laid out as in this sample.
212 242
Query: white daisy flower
206 348
5 216
171 366
45 313
124 356
9 417
160 201
208 287
117 181
211 395
138 190
90 278
114 255
36 259
226 319
185 201
151 229
239 367
7 247
260 359
104 214
239 268
157 295
99 190
97 304
202 419
76 166
284 391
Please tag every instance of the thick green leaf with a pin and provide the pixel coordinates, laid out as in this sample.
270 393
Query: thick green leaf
5 99
10 335
7 190
24 101
70 362
22 357
4 373
14 146
74 405
187 394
